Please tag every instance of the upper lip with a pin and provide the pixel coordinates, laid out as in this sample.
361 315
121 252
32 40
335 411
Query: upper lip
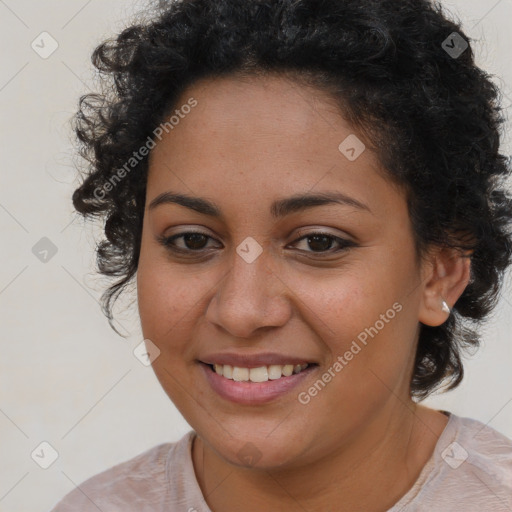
252 360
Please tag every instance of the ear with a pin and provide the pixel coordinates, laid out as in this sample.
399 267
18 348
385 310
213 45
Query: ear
446 275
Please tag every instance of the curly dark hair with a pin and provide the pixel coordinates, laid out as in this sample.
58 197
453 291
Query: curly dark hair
433 117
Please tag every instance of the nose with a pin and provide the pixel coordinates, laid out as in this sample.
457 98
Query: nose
251 296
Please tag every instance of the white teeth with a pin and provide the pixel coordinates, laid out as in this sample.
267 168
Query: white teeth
227 371
274 371
287 370
240 374
260 374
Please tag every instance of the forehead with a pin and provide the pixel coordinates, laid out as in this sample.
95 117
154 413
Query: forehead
269 108
263 137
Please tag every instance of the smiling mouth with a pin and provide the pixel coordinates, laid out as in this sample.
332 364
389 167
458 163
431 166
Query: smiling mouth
259 374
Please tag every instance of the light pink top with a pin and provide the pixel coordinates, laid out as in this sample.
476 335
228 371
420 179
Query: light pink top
470 470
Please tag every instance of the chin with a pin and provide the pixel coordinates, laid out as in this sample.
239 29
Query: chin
260 451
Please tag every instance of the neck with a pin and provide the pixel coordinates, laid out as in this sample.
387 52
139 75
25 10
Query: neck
371 471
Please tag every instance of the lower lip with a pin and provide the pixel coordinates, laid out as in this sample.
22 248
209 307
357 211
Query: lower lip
253 393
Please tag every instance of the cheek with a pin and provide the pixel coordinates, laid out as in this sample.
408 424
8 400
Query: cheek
166 296
363 324
167 302
340 305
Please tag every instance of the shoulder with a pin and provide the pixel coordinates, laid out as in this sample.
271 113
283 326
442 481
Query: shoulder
131 485
482 450
471 469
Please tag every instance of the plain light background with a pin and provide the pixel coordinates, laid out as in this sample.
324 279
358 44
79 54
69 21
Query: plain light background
65 377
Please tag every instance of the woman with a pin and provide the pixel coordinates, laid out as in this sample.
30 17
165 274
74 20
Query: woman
310 198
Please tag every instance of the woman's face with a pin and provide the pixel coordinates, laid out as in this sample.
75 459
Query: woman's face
255 289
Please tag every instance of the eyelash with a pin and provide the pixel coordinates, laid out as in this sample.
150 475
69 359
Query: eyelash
167 242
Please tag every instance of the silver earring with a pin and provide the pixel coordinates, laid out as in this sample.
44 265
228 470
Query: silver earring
445 307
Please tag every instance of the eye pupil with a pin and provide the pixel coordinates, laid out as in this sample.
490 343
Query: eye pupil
195 243
193 238
322 246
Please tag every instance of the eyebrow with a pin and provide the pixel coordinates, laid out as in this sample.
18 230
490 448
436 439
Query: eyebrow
279 208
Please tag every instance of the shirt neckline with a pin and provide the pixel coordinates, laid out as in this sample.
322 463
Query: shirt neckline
188 491
428 472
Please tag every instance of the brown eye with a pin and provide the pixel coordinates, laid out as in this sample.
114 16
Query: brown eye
320 242
196 242
323 242
192 241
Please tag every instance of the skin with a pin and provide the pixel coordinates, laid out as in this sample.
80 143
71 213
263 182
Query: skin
361 442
